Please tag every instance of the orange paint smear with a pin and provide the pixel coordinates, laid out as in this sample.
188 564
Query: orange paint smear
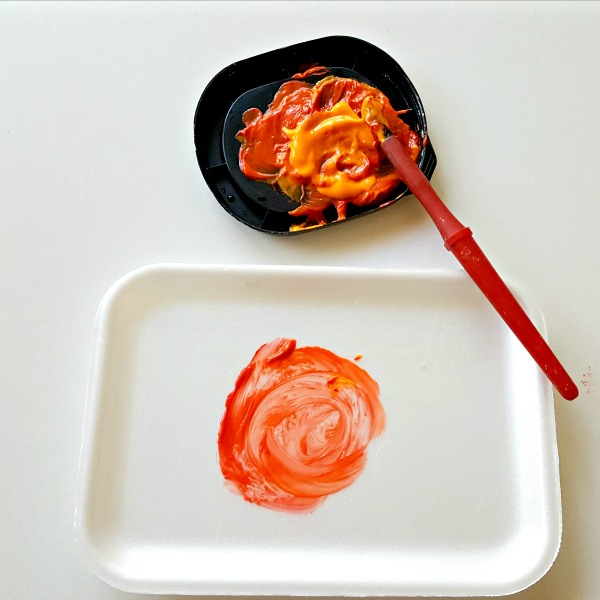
296 426
338 160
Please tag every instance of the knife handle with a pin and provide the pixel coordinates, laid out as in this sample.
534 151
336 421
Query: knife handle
459 240
475 263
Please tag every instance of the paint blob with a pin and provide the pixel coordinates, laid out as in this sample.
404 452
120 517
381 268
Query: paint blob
316 144
297 425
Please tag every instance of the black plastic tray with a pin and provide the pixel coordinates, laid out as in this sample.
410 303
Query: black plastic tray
214 123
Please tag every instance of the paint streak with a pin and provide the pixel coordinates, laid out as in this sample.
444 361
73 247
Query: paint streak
316 144
297 425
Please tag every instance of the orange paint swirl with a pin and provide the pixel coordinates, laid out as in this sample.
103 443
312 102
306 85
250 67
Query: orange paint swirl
315 144
297 425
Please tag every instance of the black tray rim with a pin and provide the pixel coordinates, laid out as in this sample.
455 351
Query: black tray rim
279 64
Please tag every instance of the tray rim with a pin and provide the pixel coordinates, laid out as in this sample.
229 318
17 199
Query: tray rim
118 580
278 61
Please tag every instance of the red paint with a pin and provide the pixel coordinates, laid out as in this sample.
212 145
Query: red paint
315 70
265 151
587 380
297 425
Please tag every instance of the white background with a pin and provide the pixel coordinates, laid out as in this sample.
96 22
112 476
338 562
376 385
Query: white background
98 176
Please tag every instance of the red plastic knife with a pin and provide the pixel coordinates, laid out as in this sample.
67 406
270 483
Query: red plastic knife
459 240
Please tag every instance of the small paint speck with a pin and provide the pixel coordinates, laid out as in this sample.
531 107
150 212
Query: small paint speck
358 357
587 380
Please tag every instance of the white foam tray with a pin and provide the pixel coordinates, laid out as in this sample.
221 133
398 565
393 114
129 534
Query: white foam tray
460 495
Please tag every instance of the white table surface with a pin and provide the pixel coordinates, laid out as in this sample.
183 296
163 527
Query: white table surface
98 176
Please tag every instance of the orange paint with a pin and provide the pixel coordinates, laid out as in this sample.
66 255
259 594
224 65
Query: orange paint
315 145
314 70
297 425
335 152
